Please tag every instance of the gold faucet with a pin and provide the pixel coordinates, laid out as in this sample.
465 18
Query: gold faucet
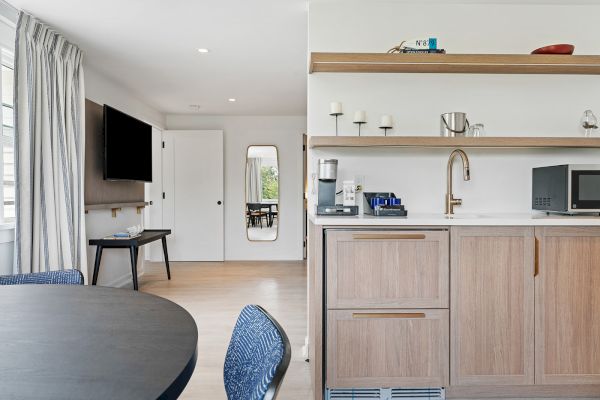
450 200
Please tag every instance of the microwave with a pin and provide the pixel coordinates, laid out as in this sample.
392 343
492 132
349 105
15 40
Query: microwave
568 189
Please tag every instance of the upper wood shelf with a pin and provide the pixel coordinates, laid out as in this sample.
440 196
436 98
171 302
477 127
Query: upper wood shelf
109 206
455 63
438 141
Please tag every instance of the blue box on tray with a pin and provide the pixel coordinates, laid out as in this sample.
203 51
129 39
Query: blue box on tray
383 204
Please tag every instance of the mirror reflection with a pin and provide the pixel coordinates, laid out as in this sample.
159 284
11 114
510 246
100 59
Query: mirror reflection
262 193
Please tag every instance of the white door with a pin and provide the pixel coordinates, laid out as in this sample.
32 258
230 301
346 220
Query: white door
153 213
193 194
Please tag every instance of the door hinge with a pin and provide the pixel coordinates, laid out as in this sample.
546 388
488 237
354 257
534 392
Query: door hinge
163 195
163 144
303 147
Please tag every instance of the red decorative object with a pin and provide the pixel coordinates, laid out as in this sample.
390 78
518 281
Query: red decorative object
566 49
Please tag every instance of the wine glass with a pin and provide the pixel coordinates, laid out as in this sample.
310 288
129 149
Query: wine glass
589 122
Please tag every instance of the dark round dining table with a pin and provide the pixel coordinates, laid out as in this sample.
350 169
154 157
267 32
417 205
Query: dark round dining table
83 342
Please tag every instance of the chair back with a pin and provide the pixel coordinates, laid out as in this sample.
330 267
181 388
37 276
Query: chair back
66 277
256 207
257 358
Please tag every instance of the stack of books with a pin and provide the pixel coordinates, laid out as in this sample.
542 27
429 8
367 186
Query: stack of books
421 46
121 236
423 51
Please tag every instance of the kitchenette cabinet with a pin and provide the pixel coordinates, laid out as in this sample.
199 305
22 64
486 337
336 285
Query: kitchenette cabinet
568 306
492 311
387 300
483 311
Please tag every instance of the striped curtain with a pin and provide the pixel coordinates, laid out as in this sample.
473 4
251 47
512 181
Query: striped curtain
253 180
49 150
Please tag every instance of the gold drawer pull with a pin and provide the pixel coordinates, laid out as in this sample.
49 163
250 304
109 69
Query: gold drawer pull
388 236
388 315
536 268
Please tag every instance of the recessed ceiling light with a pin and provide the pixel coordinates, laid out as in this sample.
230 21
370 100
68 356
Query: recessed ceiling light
203 50
232 100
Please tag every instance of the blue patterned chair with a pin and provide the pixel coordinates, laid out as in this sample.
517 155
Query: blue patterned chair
66 277
257 358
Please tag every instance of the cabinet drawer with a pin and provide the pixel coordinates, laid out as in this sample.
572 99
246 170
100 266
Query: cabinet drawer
387 348
381 269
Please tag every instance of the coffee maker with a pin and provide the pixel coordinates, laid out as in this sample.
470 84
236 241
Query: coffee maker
327 191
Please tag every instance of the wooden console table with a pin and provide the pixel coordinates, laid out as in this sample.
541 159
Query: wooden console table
133 244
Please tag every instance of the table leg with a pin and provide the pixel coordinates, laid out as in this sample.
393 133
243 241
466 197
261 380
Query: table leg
164 244
97 264
133 252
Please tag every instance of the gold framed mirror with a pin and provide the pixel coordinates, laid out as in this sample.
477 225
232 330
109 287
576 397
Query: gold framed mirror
261 205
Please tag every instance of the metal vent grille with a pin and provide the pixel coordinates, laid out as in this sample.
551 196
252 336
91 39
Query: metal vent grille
543 201
414 394
351 394
387 394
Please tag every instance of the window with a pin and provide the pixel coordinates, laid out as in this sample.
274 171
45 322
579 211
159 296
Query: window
7 139
270 182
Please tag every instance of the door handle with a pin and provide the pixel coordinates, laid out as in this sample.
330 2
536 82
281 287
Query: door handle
384 236
536 267
219 202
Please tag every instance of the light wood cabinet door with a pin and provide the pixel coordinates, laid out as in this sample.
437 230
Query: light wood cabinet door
568 306
492 305
387 269
389 348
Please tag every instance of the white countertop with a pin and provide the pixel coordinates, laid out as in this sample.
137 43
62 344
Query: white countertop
476 219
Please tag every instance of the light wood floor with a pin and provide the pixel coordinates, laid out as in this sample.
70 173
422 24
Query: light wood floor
215 293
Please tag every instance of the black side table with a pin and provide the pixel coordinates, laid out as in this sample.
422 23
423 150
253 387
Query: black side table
147 236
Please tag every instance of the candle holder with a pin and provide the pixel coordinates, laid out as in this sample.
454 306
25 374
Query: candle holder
360 117
385 128
335 110
359 123
336 115
386 123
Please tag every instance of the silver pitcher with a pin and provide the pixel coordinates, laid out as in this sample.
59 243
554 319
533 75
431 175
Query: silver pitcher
454 124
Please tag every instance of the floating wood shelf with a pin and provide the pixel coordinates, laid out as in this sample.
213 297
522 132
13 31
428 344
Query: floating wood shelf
112 206
438 141
456 63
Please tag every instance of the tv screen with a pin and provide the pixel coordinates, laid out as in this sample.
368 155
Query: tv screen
127 147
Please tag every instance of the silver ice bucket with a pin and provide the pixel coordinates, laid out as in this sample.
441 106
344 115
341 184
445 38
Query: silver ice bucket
454 124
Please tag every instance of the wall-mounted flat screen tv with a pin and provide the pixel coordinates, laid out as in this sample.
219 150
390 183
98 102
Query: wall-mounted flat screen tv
127 147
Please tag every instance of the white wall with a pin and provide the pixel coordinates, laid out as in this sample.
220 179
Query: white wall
239 133
508 105
116 266
103 90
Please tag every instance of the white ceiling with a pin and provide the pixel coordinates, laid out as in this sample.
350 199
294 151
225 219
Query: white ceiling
258 50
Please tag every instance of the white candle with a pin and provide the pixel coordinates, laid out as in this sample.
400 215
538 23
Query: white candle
386 121
335 108
360 116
